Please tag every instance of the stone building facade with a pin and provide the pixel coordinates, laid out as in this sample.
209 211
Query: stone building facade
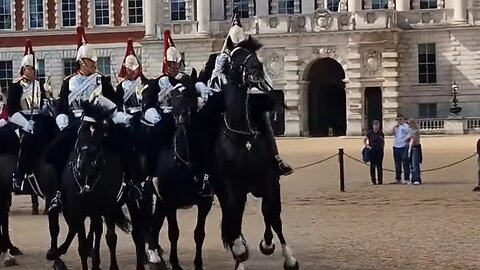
337 64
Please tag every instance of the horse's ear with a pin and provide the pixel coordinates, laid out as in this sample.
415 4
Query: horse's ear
194 75
230 44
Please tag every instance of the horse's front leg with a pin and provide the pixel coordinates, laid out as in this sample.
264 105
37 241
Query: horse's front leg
97 227
54 228
233 206
204 207
13 250
154 249
138 230
82 242
267 246
111 238
173 235
272 207
35 204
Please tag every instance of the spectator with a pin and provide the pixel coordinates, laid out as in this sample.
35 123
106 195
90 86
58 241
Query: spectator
477 187
375 142
414 152
400 132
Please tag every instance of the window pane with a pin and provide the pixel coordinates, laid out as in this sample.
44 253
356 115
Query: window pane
177 10
6 74
332 5
431 58
102 12
5 14
426 4
427 67
68 66
103 64
135 11
36 13
422 58
422 68
241 7
432 78
69 13
379 4
286 6
422 48
422 78
432 68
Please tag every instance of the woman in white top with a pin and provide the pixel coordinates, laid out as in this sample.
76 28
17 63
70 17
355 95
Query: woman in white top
414 151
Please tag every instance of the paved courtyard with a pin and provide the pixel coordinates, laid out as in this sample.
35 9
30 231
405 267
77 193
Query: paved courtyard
433 226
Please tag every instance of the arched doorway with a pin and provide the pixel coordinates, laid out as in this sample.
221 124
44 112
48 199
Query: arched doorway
327 104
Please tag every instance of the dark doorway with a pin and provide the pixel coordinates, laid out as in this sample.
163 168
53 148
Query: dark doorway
327 104
373 105
277 116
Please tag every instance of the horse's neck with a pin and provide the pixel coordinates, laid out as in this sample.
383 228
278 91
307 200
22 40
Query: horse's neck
181 142
237 111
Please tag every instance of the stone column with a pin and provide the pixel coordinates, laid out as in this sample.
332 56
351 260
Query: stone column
403 5
354 5
354 89
262 8
150 11
203 17
293 115
460 11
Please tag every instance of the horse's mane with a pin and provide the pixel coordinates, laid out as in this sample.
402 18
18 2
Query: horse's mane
250 44
95 111
206 72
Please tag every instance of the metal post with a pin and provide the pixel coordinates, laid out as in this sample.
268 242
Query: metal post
342 169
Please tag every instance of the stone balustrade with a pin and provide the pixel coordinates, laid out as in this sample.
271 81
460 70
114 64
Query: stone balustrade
451 125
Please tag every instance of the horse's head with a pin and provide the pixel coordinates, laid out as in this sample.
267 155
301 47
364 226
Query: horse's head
184 99
88 147
245 67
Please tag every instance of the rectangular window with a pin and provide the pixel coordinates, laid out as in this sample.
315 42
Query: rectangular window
41 71
427 110
286 6
102 12
6 74
103 65
331 5
241 8
69 14
5 15
427 67
35 9
380 4
135 11
68 66
178 10
427 4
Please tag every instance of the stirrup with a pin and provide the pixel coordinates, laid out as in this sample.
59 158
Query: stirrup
56 203
207 189
18 183
284 168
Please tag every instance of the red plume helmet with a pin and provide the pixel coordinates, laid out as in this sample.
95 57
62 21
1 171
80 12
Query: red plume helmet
80 36
28 47
129 61
170 53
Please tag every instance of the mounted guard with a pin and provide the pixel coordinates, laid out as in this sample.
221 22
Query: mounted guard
130 93
218 80
157 100
86 84
25 101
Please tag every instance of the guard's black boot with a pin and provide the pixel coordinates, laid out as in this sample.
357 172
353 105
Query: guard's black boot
284 168
18 179
207 190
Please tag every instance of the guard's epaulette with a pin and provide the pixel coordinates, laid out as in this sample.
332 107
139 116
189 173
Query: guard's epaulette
70 76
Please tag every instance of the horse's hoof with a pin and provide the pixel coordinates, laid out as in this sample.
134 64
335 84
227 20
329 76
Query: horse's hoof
15 251
59 265
35 212
296 266
176 267
242 257
266 250
52 254
45 212
477 188
10 262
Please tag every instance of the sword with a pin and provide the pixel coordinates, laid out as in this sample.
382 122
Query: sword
33 86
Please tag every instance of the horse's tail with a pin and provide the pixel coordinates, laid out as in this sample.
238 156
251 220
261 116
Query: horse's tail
121 220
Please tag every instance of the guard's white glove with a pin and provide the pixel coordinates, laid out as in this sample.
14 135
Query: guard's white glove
200 103
122 118
19 120
203 90
152 116
2 122
62 121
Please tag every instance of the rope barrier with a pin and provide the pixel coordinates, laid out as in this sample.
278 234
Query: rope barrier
315 163
423 170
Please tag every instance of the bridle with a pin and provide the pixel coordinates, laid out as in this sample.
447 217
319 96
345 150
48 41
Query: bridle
95 165
246 82
180 121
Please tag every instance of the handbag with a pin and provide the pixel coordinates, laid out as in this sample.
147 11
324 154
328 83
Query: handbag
366 154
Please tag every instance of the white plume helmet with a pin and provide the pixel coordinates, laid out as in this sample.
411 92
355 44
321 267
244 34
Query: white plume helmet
130 61
235 34
171 53
84 50
28 58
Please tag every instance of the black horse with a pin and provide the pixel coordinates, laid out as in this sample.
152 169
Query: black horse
177 186
8 157
92 183
243 159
